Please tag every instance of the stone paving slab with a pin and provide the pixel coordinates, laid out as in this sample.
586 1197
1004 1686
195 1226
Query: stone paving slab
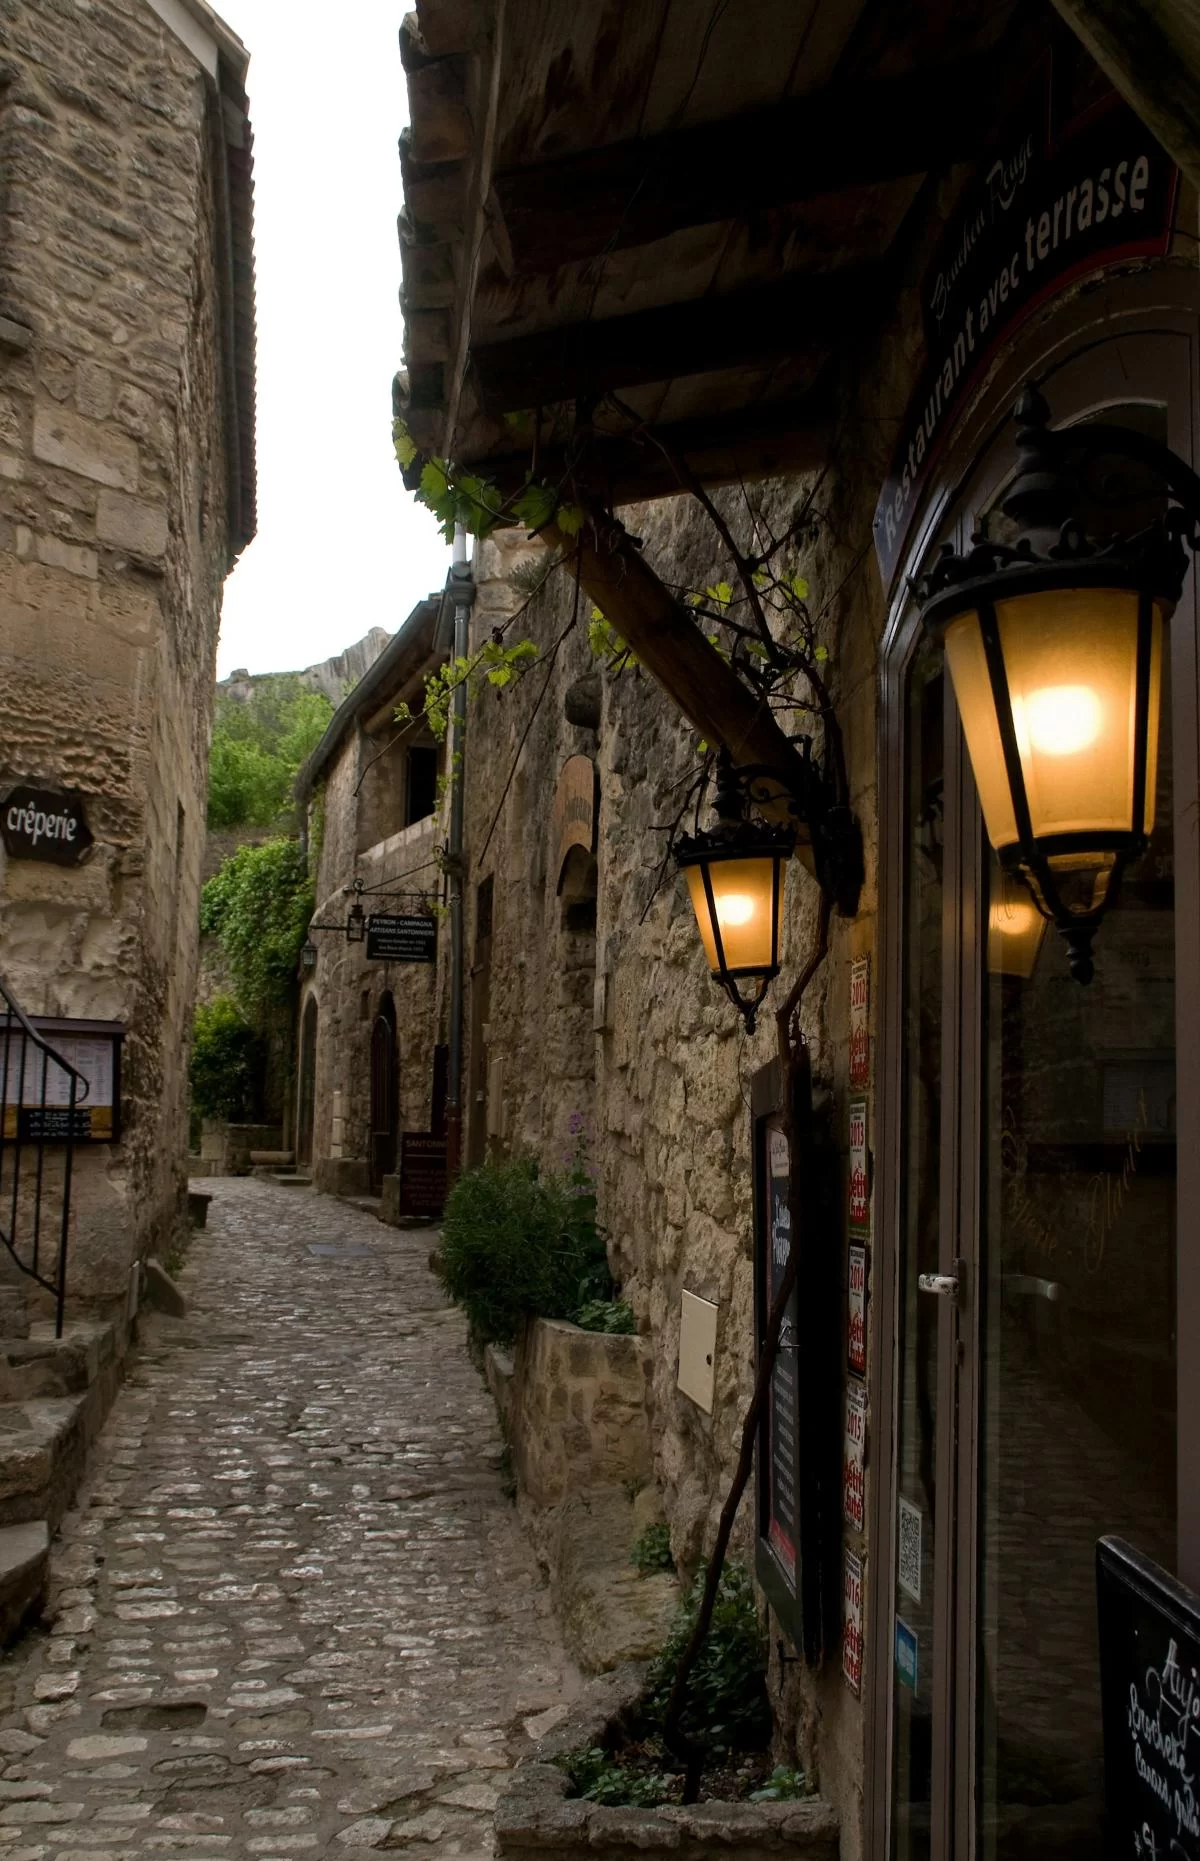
292 1612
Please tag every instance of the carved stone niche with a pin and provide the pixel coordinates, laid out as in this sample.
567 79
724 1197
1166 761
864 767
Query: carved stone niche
581 702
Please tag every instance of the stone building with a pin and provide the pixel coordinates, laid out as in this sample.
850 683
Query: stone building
710 280
126 492
368 1041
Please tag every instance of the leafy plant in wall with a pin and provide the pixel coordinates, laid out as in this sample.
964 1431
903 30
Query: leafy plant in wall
258 907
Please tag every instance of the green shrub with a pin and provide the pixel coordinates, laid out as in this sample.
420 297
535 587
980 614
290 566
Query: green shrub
601 1778
224 1060
517 1244
782 1786
653 1551
727 1707
611 1315
258 745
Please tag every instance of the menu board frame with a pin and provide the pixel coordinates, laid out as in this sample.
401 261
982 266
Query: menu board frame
93 1048
1149 1659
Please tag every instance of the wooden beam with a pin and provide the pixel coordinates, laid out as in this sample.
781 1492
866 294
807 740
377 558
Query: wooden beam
1151 52
580 360
616 576
627 468
846 136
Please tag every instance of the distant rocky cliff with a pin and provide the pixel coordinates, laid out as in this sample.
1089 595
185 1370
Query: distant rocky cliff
334 677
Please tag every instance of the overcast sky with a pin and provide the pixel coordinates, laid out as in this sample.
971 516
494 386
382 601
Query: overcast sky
341 546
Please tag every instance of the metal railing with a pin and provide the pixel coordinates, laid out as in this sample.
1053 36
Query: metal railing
41 1100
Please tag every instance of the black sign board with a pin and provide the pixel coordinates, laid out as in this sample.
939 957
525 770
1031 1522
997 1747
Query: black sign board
1051 205
422 1173
1150 1682
45 824
778 1468
410 938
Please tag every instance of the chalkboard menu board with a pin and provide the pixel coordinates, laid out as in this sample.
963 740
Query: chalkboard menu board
778 1536
1150 1682
422 1173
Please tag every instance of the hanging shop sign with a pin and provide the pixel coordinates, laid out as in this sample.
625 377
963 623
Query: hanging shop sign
36 1093
574 812
1150 1689
45 824
422 1173
1053 204
860 1019
402 938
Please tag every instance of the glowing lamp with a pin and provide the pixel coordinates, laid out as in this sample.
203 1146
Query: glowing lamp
734 876
1056 663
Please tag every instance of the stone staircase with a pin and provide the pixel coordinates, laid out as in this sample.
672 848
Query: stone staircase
54 1395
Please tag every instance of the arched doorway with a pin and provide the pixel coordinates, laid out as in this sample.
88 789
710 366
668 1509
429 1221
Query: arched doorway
308 1084
385 1094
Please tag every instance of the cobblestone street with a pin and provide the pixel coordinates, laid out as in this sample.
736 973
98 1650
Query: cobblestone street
293 1612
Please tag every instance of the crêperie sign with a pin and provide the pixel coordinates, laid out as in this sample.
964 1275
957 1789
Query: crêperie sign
46 824
1150 1682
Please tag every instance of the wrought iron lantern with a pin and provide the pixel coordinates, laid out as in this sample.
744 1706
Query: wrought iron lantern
1054 646
308 954
356 923
735 876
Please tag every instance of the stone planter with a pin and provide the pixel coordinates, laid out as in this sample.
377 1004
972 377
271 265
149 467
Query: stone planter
537 1821
578 1415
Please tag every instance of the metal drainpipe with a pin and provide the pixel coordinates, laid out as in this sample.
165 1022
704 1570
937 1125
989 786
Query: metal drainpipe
462 587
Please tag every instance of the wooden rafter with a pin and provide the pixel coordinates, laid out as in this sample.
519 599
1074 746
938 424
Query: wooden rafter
628 193
586 359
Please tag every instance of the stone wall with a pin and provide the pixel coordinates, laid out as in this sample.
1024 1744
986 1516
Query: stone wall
577 1413
349 987
643 1042
114 539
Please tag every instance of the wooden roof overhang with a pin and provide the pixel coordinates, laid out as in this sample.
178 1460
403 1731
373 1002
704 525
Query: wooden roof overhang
670 221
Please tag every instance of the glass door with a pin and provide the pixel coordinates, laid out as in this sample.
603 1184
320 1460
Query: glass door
1069 1364
1044 1273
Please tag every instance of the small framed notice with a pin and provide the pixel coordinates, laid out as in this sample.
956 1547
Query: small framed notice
856 1309
854 1456
859 1209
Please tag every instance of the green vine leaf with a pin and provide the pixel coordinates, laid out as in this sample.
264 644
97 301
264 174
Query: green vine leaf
406 446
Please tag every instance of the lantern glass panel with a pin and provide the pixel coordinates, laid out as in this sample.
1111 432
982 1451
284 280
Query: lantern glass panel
1070 657
1015 928
744 895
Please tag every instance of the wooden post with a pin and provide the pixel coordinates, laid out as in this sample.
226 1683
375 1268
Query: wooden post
618 579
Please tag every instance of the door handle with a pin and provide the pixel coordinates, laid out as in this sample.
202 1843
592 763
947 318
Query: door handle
941 1285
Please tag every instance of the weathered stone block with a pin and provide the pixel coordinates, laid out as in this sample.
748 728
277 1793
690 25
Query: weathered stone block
63 438
131 523
75 558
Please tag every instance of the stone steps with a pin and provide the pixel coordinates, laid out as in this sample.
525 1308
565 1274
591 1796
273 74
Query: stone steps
43 1445
289 1179
24 1575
